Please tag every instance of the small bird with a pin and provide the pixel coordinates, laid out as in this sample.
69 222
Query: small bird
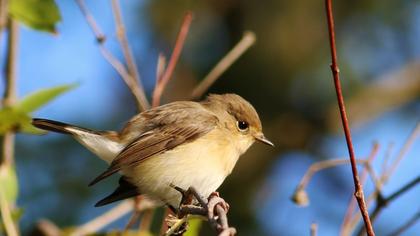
184 144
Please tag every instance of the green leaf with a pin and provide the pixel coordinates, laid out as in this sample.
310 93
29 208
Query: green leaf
194 226
12 119
39 98
8 183
37 14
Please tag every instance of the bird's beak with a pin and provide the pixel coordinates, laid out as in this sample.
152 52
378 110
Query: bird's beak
260 137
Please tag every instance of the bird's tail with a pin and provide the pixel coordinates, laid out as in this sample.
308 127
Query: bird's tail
105 144
58 127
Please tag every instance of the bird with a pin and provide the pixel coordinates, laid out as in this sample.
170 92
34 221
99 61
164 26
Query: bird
182 143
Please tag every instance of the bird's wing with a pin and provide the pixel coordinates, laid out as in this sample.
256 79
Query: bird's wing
167 134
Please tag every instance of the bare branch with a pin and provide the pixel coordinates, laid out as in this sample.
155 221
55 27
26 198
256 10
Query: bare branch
128 55
314 229
214 209
163 81
335 71
105 219
3 15
131 83
413 220
100 37
407 145
6 216
381 202
9 96
300 196
47 228
240 48
345 229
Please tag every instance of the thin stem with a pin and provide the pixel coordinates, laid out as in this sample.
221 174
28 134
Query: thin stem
100 37
131 83
314 229
128 55
335 71
9 95
8 142
318 166
413 220
105 219
345 229
3 16
6 215
240 48
383 202
179 44
407 145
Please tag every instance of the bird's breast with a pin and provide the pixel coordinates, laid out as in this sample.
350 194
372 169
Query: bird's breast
202 164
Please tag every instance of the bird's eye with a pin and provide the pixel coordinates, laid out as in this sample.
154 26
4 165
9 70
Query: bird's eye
242 125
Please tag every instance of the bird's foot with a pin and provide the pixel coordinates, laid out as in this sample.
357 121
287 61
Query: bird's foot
214 208
213 200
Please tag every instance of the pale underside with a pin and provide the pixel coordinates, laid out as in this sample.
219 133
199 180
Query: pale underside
202 164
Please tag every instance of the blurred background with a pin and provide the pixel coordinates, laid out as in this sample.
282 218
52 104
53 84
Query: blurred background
285 75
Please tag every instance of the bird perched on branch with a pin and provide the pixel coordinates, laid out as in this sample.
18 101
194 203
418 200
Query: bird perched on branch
184 144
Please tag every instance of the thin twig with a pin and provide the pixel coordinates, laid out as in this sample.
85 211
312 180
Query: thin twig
376 195
163 81
177 225
6 216
48 228
383 202
128 55
9 95
407 145
131 83
242 46
103 220
387 157
3 15
335 71
413 220
314 229
99 36
318 166
352 204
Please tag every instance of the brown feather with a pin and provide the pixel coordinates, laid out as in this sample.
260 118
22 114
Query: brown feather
163 134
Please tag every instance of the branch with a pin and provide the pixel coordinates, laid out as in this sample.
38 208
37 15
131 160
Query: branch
163 81
314 229
407 225
6 216
335 71
345 229
129 80
407 145
383 202
3 15
9 95
386 174
112 215
240 48
300 196
214 210
128 55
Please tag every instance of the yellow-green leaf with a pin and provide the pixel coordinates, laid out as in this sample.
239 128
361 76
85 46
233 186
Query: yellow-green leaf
12 119
37 14
194 226
8 183
39 98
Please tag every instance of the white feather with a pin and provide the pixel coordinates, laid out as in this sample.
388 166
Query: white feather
102 146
